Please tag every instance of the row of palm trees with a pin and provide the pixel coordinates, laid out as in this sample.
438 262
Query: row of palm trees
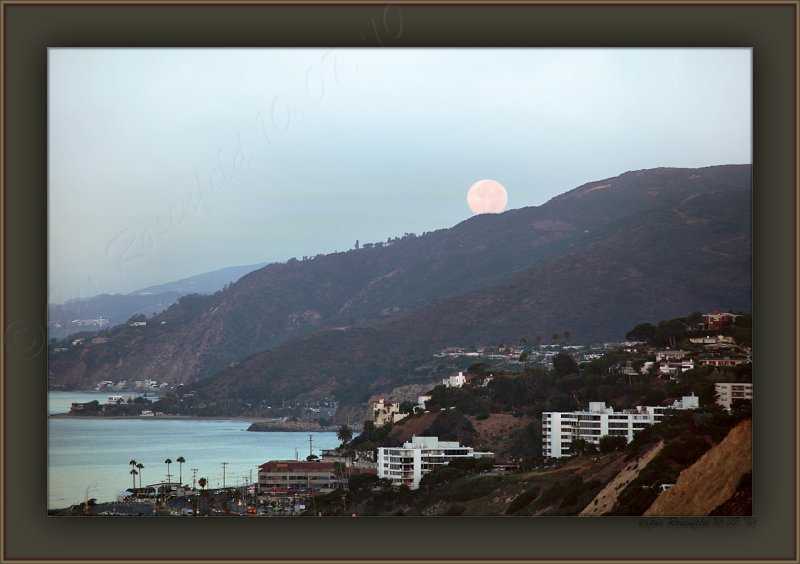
137 467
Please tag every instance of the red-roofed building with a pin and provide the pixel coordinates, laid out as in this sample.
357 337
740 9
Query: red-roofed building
293 474
717 320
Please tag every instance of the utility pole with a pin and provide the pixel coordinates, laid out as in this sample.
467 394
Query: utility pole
310 445
224 465
194 478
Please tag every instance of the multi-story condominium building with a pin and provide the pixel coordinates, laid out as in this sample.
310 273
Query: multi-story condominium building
292 474
727 393
409 463
559 429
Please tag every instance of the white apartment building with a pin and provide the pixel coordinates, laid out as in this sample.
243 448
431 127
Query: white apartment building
559 429
727 392
409 463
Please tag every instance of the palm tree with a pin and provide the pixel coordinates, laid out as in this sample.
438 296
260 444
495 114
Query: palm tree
133 467
133 473
345 433
556 337
180 461
140 466
567 336
202 483
168 461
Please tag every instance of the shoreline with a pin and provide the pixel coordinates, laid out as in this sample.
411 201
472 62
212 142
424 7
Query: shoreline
161 417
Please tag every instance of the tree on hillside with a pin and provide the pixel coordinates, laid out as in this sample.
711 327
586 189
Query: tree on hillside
643 332
610 443
479 369
578 446
564 364
694 318
668 333
538 340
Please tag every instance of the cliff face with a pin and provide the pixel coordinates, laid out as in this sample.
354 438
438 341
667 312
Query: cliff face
712 480
608 496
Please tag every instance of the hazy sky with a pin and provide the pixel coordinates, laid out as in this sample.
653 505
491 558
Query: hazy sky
164 163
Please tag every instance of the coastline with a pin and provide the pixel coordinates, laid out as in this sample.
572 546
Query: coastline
263 424
161 417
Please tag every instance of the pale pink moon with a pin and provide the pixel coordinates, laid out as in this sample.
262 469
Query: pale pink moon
487 196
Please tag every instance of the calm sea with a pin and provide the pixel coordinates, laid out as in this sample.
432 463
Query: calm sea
93 454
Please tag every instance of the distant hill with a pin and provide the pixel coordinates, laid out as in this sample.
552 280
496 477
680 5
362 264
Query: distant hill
71 316
206 283
596 260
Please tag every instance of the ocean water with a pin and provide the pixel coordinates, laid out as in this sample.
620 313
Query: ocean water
90 456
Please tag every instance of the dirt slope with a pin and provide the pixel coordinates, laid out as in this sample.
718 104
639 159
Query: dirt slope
607 497
712 480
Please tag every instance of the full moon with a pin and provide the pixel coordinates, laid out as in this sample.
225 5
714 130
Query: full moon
487 196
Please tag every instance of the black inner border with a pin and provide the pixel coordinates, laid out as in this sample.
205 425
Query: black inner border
28 29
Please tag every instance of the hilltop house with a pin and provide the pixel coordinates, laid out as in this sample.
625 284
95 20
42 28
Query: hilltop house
382 413
421 400
716 320
724 361
674 369
711 340
669 355
456 380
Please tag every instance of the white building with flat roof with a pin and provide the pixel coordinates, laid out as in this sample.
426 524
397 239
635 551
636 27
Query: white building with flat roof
455 380
407 465
560 428
728 392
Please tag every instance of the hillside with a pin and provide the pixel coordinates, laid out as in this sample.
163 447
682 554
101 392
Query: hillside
644 245
717 474
67 318
653 266
709 450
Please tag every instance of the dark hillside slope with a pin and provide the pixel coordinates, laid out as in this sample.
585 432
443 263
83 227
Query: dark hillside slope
694 255
273 305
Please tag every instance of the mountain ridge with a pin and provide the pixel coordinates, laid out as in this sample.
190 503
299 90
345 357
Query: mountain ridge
442 274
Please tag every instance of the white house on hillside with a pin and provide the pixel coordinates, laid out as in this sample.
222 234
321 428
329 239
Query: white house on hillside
383 413
455 381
